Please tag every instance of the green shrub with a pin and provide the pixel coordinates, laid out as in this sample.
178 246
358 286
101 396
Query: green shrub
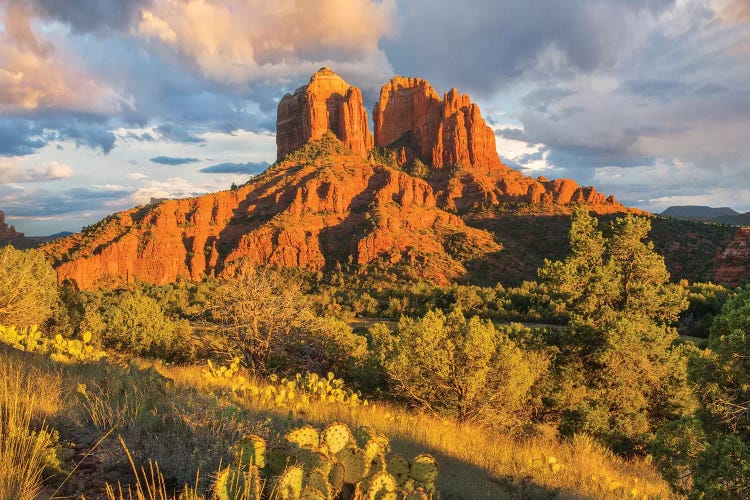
28 287
136 323
461 368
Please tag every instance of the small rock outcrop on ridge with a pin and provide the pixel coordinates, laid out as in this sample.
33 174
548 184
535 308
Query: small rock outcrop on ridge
6 232
326 103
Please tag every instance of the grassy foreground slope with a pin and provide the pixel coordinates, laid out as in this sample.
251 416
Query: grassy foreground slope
187 422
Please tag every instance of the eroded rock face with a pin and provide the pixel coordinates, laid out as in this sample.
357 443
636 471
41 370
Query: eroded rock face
310 215
330 204
8 232
733 264
326 103
441 133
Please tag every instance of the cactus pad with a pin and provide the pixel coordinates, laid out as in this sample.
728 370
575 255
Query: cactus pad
371 449
355 464
336 437
380 486
229 484
364 434
250 450
289 486
399 468
310 493
336 476
318 479
277 458
424 469
304 437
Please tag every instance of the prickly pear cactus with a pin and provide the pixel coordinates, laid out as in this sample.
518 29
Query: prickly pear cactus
250 450
399 468
306 464
318 479
337 437
304 437
289 485
424 469
381 486
230 484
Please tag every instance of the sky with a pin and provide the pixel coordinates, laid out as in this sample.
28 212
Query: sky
105 104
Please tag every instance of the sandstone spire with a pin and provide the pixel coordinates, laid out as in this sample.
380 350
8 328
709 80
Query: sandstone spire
326 103
439 132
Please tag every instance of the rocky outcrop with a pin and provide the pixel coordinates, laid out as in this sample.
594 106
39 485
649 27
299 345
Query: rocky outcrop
411 116
326 103
8 233
329 204
733 264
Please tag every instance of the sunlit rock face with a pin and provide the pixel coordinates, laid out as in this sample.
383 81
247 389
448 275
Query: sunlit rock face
326 103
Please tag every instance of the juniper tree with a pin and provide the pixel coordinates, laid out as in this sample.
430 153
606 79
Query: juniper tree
620 375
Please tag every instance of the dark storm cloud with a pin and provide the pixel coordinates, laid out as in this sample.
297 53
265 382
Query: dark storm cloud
24 135
236 168
170 160
93 15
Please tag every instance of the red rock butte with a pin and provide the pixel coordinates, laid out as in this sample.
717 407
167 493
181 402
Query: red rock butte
326 103
332 202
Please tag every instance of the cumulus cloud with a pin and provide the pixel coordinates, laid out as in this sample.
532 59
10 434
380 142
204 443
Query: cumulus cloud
249 40
171 160
12 171
34 75
236 168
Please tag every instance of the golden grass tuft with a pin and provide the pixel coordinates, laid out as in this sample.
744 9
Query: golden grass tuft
23 447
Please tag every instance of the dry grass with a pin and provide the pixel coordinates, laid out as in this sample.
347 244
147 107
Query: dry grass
24 441
199 419
477 462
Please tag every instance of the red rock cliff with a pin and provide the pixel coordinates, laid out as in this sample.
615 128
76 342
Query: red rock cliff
733 264
309 213
411 118
326 103
439 132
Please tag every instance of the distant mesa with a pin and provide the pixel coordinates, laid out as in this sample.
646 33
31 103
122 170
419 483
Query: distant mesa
722 215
